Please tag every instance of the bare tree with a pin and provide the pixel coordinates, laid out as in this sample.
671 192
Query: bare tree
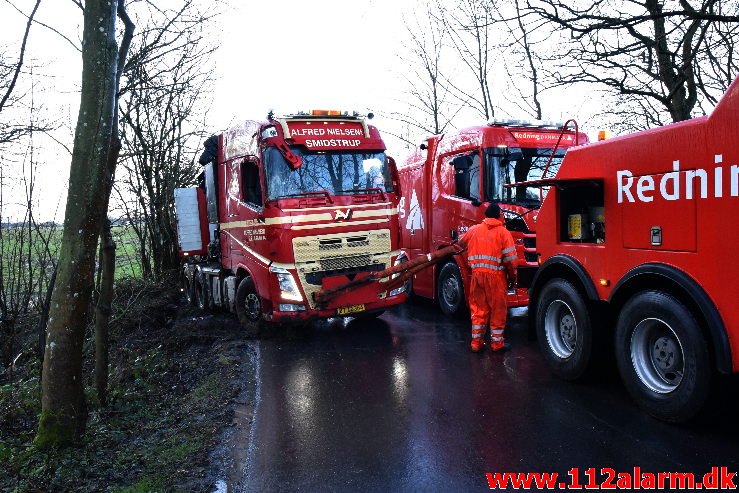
168 78
64 410
27 259
11 70
721 65
524 34
650 52
468 26
8 90
429 109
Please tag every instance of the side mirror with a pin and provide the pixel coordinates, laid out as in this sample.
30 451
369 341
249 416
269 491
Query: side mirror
463 162
516 155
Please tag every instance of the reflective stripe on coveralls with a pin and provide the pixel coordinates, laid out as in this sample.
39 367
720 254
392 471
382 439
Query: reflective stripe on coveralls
478 331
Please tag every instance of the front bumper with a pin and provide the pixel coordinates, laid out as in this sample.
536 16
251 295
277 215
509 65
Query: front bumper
314 314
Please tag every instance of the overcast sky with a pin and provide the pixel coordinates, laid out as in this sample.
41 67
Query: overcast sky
288 55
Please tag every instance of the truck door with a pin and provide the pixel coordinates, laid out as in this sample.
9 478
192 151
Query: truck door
244 207
457 208
251 203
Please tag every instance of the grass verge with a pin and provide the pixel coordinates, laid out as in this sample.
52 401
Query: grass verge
173 378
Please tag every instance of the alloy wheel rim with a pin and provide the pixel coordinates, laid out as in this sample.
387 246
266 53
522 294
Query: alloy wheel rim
657 355
560 328
451 291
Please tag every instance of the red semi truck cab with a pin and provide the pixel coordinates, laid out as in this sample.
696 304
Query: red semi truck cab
655 285
449 180
285 208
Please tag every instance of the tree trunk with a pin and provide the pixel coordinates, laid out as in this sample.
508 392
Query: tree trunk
102 314
63 407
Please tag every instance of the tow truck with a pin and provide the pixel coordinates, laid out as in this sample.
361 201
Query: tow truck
448 177
634 241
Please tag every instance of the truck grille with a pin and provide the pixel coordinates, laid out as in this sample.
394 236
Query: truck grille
344 262
346 254
329 244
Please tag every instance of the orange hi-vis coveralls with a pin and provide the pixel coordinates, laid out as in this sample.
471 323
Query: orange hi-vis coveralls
491 255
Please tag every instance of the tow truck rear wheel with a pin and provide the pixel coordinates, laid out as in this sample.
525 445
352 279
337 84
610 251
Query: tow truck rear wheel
450 290
662 356
249 307
564 329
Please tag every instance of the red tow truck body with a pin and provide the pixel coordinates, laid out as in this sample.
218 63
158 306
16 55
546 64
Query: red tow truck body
288 207
634 238
450 178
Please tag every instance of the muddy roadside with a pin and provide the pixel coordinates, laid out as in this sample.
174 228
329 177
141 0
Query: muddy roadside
178 377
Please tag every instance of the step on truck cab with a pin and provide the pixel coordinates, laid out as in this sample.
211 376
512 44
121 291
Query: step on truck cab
285 208
449 180
634 239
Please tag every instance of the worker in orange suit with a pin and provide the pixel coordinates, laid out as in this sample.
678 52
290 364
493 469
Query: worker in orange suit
491 255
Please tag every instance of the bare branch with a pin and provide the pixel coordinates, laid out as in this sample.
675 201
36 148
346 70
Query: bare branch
50 28
10 88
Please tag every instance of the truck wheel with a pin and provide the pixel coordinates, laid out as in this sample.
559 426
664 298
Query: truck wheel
187 290
200 293
564 329
249 307
450 290
662 356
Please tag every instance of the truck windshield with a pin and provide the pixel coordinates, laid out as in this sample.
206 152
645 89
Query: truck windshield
336 172
529 167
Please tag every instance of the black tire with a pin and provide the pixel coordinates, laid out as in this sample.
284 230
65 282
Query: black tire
662 356
200 294
249 308
450 290
564 329
187 289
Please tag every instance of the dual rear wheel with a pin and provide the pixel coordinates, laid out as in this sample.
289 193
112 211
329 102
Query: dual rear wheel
660 350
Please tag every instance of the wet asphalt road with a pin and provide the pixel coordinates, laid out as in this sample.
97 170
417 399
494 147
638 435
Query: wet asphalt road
401 404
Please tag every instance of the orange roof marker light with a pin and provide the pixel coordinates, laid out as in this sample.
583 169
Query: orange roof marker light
604 134
327 113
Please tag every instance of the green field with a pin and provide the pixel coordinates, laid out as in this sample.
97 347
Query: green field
15 252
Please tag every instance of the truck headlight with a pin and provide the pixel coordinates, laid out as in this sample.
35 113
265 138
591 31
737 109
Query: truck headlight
288 288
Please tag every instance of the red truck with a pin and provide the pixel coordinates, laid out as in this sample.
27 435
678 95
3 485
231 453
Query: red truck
449 176
634 240
286 208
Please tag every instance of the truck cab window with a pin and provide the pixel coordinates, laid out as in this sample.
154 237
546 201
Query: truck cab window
467 175
251 189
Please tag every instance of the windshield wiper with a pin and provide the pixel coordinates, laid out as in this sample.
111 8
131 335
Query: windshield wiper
308 194
371 189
